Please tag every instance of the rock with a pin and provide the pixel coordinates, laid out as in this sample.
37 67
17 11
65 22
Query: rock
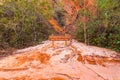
73 62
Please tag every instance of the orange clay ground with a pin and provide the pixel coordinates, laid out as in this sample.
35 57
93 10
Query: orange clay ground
76 61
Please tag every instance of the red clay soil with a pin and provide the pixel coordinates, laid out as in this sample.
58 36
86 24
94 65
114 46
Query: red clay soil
74 62
71 8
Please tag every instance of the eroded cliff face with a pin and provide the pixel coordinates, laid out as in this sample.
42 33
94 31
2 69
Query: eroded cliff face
73 6
71 13
76 61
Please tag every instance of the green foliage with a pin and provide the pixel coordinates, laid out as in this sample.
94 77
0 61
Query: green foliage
21 25
103 29
46 9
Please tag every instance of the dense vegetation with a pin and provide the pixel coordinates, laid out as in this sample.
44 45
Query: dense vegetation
103 29
22 23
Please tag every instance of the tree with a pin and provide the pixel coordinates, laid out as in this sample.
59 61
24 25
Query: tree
21 24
